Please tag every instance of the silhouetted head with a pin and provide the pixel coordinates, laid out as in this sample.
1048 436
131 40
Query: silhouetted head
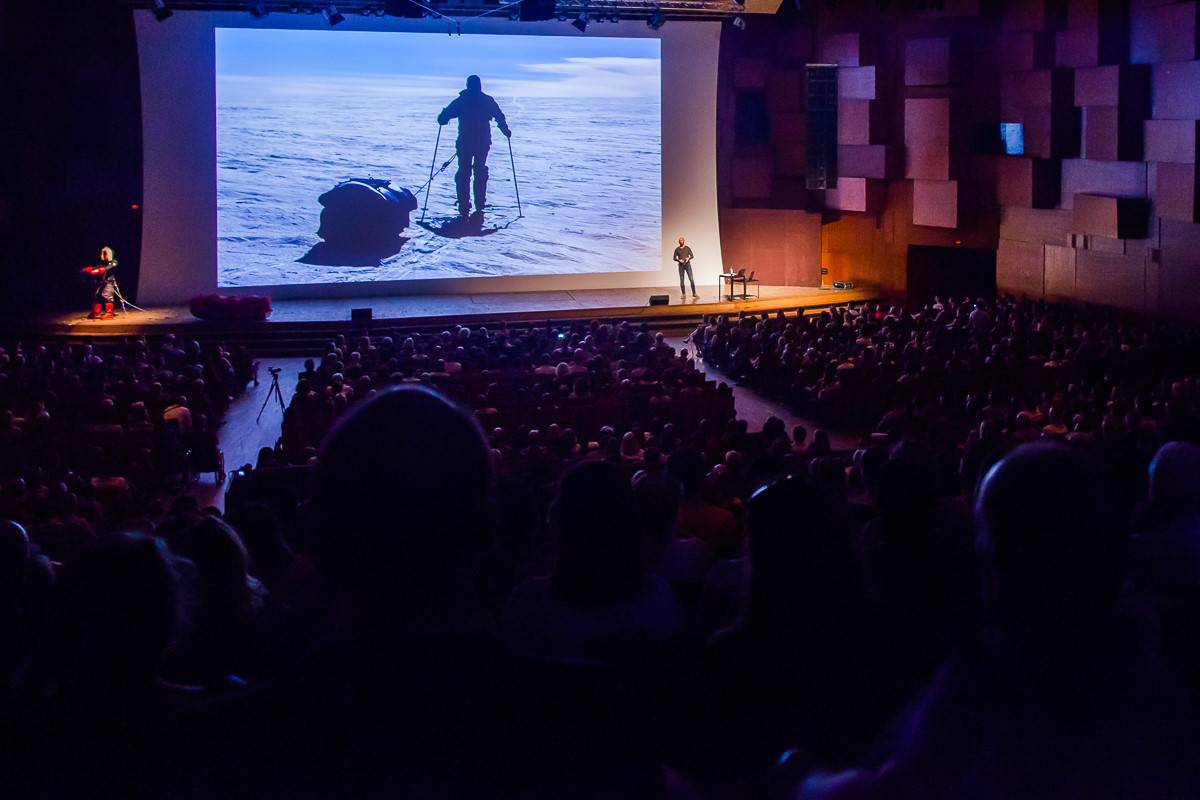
1052 539
401 504
120 612
595 516
220 558
14 550
687 466
474 84
803 562
1175 479
657 497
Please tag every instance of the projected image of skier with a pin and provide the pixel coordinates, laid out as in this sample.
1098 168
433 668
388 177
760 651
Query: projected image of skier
354 157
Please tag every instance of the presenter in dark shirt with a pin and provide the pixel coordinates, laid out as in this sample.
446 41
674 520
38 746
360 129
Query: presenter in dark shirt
683 257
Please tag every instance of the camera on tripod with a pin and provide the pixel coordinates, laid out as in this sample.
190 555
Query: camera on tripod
273 392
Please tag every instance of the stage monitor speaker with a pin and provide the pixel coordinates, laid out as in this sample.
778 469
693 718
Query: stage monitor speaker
537 10
403 8
820 151
659 299
360 315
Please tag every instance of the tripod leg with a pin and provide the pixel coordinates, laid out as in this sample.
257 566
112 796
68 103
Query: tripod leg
266 400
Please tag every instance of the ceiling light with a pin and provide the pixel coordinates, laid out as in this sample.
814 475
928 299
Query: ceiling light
580 23
739 22
657 19
259 10
161 12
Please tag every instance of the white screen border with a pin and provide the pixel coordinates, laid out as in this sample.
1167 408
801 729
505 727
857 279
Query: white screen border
179 199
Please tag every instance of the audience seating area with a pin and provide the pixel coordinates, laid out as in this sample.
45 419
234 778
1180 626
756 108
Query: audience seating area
551 562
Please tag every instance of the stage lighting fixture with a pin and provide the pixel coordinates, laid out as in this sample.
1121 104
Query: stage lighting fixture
295 8
161 12
259 10
580 23
657 19
739 22
333 16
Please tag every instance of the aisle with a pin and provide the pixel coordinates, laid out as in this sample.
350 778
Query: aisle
756 409
241 434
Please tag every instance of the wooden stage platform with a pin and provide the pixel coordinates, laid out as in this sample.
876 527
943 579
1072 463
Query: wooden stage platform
419 311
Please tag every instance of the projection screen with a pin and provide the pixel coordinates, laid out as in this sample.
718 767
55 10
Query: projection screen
286 157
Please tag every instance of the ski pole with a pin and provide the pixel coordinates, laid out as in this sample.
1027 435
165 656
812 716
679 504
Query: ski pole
516 185
432 164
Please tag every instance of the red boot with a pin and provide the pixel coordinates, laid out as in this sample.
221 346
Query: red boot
108 311
96 311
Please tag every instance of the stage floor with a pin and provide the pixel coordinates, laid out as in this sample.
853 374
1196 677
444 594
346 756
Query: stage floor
502 305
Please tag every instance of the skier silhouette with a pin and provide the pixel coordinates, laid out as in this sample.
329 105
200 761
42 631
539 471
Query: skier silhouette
474 111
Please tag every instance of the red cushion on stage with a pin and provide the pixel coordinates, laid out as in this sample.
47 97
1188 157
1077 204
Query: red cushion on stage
231 308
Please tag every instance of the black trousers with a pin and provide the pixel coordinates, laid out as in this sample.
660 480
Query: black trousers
471 158
686 269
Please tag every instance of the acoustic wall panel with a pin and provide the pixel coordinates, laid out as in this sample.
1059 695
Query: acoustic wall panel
856 83
927 61
1175 193
1111 217
1163 35
1028 182
1113 280
1023 52
843 49
1034 15
1035 226
1176 90
851 194
1020 268
1112 178
935 203
859 122
1059 271
927 121
1172 140
863 161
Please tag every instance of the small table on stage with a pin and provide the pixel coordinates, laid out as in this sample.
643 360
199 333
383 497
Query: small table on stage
745 280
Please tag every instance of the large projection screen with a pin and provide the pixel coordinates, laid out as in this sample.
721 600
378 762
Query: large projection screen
233 173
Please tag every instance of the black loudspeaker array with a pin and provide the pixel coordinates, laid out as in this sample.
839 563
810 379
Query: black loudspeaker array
821 88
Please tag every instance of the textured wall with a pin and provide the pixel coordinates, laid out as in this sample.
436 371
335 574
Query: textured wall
1104 206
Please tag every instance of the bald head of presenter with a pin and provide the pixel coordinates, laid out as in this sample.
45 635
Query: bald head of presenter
683 257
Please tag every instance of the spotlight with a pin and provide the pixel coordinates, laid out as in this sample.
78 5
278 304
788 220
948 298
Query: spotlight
161 12
657 19
333 16
259 10
580 23
739 22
